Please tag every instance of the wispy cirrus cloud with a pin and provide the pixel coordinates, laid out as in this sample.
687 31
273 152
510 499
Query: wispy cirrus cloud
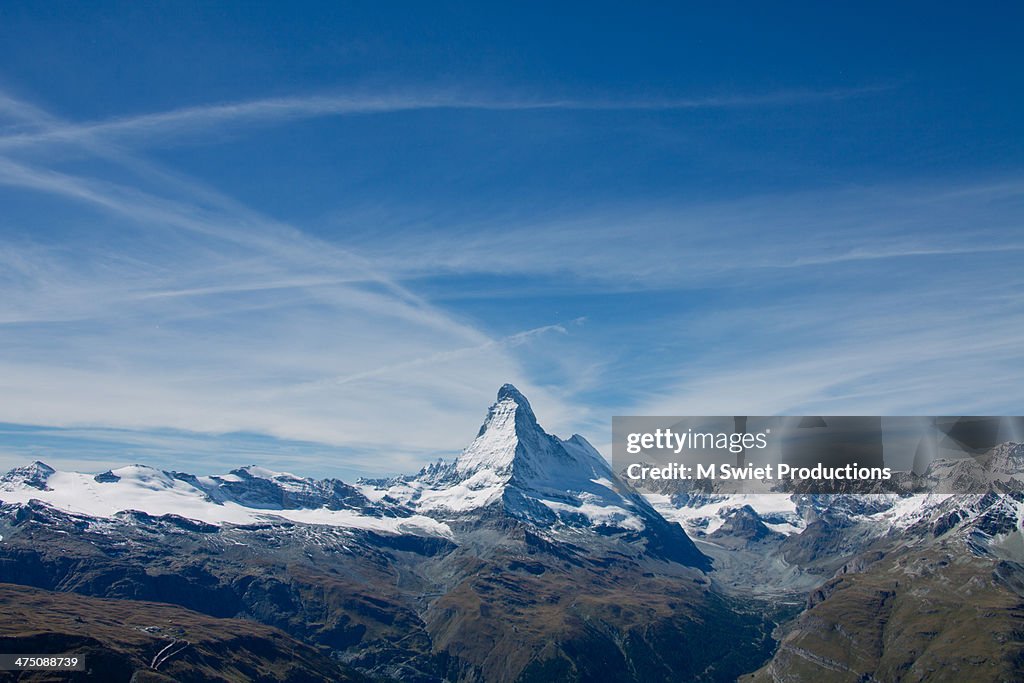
149 129
185 310
877 357
169 305
696 244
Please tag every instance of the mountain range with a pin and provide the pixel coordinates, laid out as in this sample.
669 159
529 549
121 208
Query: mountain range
526 558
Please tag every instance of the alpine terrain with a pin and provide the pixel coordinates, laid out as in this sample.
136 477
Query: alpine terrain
524 559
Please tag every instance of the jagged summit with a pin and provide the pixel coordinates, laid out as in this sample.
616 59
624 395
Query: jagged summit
515 467
511 401
508 390
511 448
510 441
34 475
508 393
512 470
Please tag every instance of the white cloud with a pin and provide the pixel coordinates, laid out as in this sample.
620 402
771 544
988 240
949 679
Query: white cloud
698 244
152 129
170 305
194 313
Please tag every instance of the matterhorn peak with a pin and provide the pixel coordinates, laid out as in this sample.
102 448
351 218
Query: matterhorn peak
514 466
509 432
510 410
509 391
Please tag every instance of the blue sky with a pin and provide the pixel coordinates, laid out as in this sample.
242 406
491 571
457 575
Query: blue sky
319 237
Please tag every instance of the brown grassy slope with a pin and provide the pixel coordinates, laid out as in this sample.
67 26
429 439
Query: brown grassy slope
119 638
926 616
550 623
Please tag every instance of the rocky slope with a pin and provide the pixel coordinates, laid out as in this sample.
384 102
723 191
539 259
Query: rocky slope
940 597
924 587
515 471
527 559
123 641
524 559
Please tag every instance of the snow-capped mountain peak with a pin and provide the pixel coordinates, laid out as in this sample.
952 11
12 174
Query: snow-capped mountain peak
532 475
512 446
512 470
509 421
34 475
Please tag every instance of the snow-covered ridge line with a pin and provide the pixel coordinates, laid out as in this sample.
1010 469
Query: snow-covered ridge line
512 468
512 465
531 474
243 496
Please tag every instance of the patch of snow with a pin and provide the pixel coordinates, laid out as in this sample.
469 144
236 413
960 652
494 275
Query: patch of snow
598 515
157 493
709 516
907 510
785 528
513 455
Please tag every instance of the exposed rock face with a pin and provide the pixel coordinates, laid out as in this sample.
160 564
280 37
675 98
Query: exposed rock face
527 559
524 559
32 476
937 597
514 470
